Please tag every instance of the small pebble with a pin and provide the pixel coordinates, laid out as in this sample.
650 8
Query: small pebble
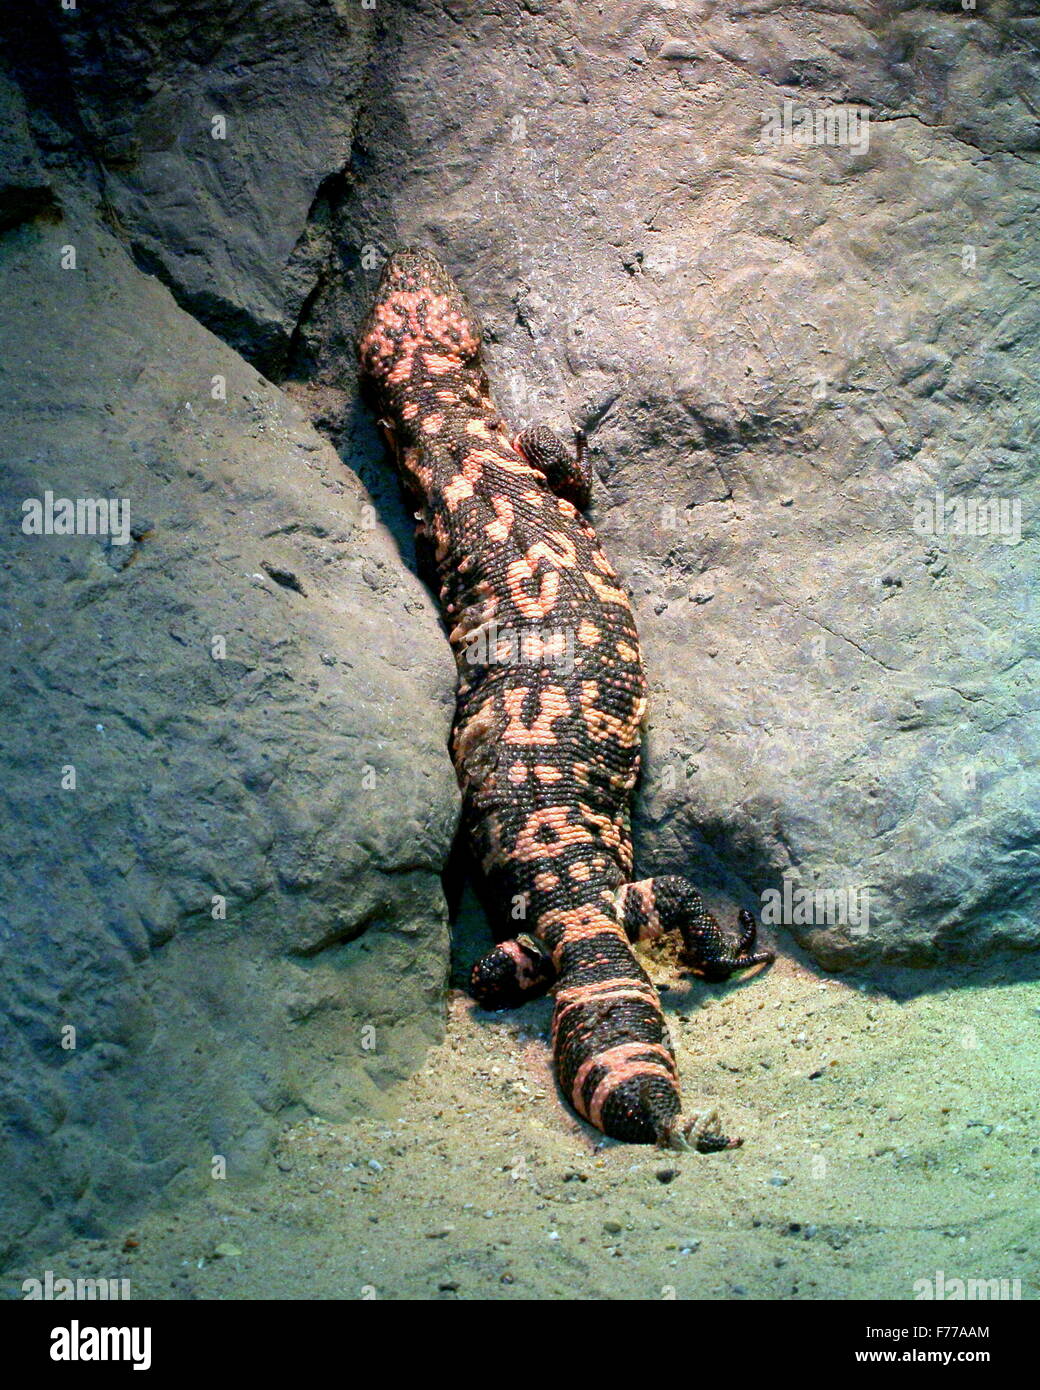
677 49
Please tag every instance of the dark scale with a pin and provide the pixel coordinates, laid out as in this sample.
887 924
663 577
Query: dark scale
550 700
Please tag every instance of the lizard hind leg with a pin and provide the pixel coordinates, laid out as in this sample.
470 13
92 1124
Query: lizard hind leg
568 474
511 973
654 906
671 903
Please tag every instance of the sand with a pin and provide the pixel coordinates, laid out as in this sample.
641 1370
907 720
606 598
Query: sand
890 1128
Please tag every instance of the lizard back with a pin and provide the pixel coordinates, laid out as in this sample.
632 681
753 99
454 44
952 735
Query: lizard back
550 699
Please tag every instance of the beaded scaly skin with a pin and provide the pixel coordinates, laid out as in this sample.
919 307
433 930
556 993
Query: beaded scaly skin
551 696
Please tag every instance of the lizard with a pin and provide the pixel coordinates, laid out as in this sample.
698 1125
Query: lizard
550 704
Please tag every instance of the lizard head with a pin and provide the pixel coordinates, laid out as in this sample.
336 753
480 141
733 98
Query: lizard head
419 309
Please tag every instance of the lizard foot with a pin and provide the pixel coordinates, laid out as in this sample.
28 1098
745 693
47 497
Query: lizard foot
512 973
671 903
700 1131
568 475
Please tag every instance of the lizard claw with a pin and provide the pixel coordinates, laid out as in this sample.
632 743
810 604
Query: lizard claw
700 1131
718 960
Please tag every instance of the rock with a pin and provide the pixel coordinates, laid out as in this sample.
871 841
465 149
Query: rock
25 187
221 856
678 48
221 143
782 354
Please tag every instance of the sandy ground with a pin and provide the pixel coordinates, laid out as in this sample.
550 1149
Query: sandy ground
889 1134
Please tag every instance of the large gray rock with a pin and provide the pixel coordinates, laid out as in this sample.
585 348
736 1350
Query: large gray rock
781 353
226 797
216 139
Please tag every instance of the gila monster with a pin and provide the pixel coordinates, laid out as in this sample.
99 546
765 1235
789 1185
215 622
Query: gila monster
550 701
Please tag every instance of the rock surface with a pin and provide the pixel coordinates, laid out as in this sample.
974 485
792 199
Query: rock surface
227 796
778 351
25 189
214 139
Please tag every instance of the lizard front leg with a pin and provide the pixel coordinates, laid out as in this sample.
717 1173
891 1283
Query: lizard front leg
568 474
654 906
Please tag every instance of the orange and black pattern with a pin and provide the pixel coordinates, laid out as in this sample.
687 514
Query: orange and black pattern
551 696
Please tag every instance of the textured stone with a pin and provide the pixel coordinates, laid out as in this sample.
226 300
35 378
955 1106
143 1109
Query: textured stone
230 738
779 352
25 189
219 138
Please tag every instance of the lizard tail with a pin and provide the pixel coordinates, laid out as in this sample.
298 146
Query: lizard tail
611 1048
612 1053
